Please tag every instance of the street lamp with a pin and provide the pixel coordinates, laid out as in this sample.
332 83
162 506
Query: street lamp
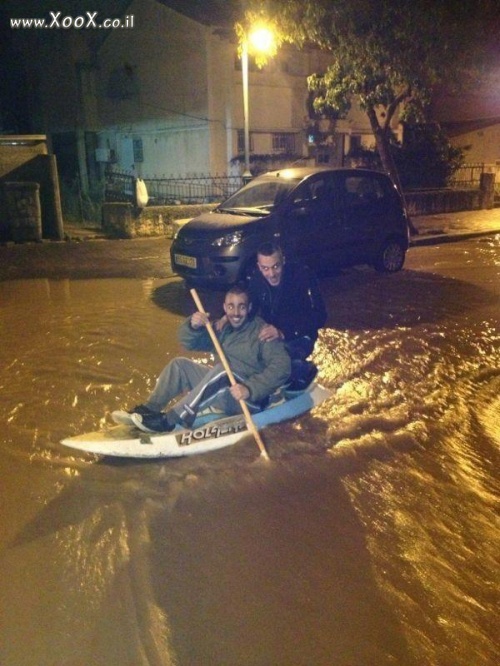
258 40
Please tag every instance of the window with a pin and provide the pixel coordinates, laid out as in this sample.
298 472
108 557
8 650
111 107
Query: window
241 141
283 142
138 152
355 144
362 190
319 189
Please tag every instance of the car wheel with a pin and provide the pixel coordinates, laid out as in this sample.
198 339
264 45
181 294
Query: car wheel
390 257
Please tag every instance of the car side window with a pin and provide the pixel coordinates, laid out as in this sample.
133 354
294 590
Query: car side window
361 190
315 190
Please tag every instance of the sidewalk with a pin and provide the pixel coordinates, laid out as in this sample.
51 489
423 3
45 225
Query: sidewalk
432 229
448 227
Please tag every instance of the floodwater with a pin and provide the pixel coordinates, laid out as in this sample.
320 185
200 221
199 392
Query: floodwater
370 539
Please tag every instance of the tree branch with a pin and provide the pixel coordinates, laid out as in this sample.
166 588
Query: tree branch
393 106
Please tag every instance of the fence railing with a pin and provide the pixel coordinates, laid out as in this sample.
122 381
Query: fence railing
468 176
208 189
119 186
194 189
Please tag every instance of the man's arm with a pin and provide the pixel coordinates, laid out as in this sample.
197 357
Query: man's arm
277 369
317 304
306 313
193 333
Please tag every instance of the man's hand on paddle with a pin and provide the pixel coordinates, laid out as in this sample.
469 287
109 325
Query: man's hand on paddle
240 392
199 319
269 332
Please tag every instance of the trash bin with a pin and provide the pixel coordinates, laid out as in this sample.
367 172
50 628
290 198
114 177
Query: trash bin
22 212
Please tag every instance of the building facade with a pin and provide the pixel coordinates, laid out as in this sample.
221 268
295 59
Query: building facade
170 102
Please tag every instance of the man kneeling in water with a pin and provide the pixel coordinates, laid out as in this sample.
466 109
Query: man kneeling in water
287 296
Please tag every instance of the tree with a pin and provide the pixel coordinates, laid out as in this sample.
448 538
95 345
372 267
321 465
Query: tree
426 158
388 55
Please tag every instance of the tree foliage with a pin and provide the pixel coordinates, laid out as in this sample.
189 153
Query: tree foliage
426 158
388 55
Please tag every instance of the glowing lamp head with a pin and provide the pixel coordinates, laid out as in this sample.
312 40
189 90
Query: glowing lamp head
261 40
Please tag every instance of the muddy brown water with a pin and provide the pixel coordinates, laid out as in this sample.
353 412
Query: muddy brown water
370 539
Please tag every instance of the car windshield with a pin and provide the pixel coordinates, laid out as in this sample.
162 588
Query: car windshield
260 195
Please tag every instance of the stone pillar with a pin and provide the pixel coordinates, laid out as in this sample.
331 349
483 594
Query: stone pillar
22 211
118 220
53 225
487 188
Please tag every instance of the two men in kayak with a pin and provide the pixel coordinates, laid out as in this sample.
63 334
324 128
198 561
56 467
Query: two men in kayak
263 351
260 367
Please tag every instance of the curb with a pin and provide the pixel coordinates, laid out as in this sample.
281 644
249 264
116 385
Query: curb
415 241
455 237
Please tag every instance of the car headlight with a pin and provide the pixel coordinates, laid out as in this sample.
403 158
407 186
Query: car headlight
233 238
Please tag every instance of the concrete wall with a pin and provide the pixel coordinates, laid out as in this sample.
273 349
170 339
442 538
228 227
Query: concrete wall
123 220
21 201
430 202
25 159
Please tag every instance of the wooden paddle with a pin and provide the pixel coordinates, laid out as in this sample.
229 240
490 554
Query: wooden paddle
222 356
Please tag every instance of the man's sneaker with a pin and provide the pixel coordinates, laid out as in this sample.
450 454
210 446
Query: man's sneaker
153 422
123 417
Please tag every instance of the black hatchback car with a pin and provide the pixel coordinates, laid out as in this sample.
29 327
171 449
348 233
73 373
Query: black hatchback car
325 217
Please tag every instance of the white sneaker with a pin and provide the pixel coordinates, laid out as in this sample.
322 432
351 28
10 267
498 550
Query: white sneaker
122 417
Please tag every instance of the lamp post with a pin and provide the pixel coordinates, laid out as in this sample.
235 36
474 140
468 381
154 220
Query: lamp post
260 40
246 123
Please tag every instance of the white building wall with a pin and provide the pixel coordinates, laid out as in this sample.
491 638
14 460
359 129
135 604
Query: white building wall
163 61
483 145
220 59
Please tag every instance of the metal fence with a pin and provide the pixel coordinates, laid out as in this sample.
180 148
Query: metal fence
174 190
468 176
119 187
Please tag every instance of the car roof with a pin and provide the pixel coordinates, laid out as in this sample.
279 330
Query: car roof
303 172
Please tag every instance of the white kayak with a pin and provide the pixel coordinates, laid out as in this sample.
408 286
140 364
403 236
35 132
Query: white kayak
208 433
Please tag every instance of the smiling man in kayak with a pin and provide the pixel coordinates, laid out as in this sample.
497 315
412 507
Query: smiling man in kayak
287 296
259 369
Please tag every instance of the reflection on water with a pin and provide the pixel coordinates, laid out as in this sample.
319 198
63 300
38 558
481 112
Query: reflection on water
371 537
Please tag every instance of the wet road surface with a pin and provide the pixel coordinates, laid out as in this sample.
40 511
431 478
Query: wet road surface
372 536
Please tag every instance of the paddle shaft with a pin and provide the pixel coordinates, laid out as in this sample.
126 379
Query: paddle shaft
222 356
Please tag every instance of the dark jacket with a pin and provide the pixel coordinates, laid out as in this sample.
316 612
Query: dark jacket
295 307
263 366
